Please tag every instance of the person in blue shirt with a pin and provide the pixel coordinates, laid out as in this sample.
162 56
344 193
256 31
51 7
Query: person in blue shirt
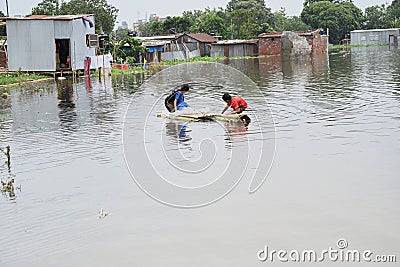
179 102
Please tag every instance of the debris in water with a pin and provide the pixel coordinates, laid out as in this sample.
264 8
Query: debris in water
102 214
8 187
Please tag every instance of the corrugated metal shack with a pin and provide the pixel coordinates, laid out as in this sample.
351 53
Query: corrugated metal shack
153 52
50 43
197 41
375 37
235 48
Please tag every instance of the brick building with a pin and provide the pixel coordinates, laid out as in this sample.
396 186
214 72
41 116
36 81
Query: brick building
271 43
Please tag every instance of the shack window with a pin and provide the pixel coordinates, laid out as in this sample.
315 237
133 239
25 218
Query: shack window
92 40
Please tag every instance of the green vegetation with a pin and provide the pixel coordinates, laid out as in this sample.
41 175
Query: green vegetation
193 59
134 70
127 54
104 13
9 78
340 49
205 59
340 17
241 19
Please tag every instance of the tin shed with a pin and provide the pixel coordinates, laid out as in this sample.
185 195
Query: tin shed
235 48
197 41
375 37
50 43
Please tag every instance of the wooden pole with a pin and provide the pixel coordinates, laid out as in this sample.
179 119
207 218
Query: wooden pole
8 13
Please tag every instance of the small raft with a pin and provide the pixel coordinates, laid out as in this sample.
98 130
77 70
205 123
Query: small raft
235 118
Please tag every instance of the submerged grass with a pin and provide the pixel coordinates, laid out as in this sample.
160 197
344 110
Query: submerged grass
343 48
135 70
10 78
193 59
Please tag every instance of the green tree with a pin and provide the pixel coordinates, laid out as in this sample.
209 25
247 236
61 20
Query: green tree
210 21
282 22
176 24
135 46
192 15
47 7
104 13
393 15
309 2
340 18
249 18
375 17
296 24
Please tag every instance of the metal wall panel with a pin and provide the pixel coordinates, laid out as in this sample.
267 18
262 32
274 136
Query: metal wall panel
79 49
372 37
62 29
31 45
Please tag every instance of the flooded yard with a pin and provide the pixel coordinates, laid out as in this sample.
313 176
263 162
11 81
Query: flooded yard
87 159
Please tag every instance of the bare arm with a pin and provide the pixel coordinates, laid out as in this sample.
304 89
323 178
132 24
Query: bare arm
235 111
175 102
226 107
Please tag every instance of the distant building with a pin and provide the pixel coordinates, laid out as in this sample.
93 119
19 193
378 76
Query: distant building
124 25
136 25
375 37
153 17
235 48
50 43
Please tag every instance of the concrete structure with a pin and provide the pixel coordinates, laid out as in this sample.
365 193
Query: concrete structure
294 45
50 43
375 37
271 43
235 48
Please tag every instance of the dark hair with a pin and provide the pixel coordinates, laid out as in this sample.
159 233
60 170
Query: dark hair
185 87
226 97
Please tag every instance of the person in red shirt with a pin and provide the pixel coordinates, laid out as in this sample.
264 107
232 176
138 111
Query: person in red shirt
237 103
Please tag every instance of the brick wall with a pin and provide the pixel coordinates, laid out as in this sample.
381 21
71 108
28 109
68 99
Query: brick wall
3 60
269 45
318 43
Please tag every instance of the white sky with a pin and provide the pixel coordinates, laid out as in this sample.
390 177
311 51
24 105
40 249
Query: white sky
131 10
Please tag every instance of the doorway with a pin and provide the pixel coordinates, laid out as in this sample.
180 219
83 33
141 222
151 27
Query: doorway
63 57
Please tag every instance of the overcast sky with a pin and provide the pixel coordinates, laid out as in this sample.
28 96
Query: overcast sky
131 10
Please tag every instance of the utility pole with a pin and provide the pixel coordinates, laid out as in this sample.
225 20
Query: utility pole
8 13
231 30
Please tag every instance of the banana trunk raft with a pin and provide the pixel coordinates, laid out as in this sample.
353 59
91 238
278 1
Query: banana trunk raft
234 118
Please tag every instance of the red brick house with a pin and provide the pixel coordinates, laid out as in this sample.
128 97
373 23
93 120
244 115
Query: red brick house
271 43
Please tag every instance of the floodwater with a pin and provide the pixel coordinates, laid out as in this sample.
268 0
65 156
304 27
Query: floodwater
328 128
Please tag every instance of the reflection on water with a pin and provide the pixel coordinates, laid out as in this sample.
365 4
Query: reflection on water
337 138
67 113
178 131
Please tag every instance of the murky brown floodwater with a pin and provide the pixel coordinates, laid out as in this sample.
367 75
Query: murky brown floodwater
335 172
